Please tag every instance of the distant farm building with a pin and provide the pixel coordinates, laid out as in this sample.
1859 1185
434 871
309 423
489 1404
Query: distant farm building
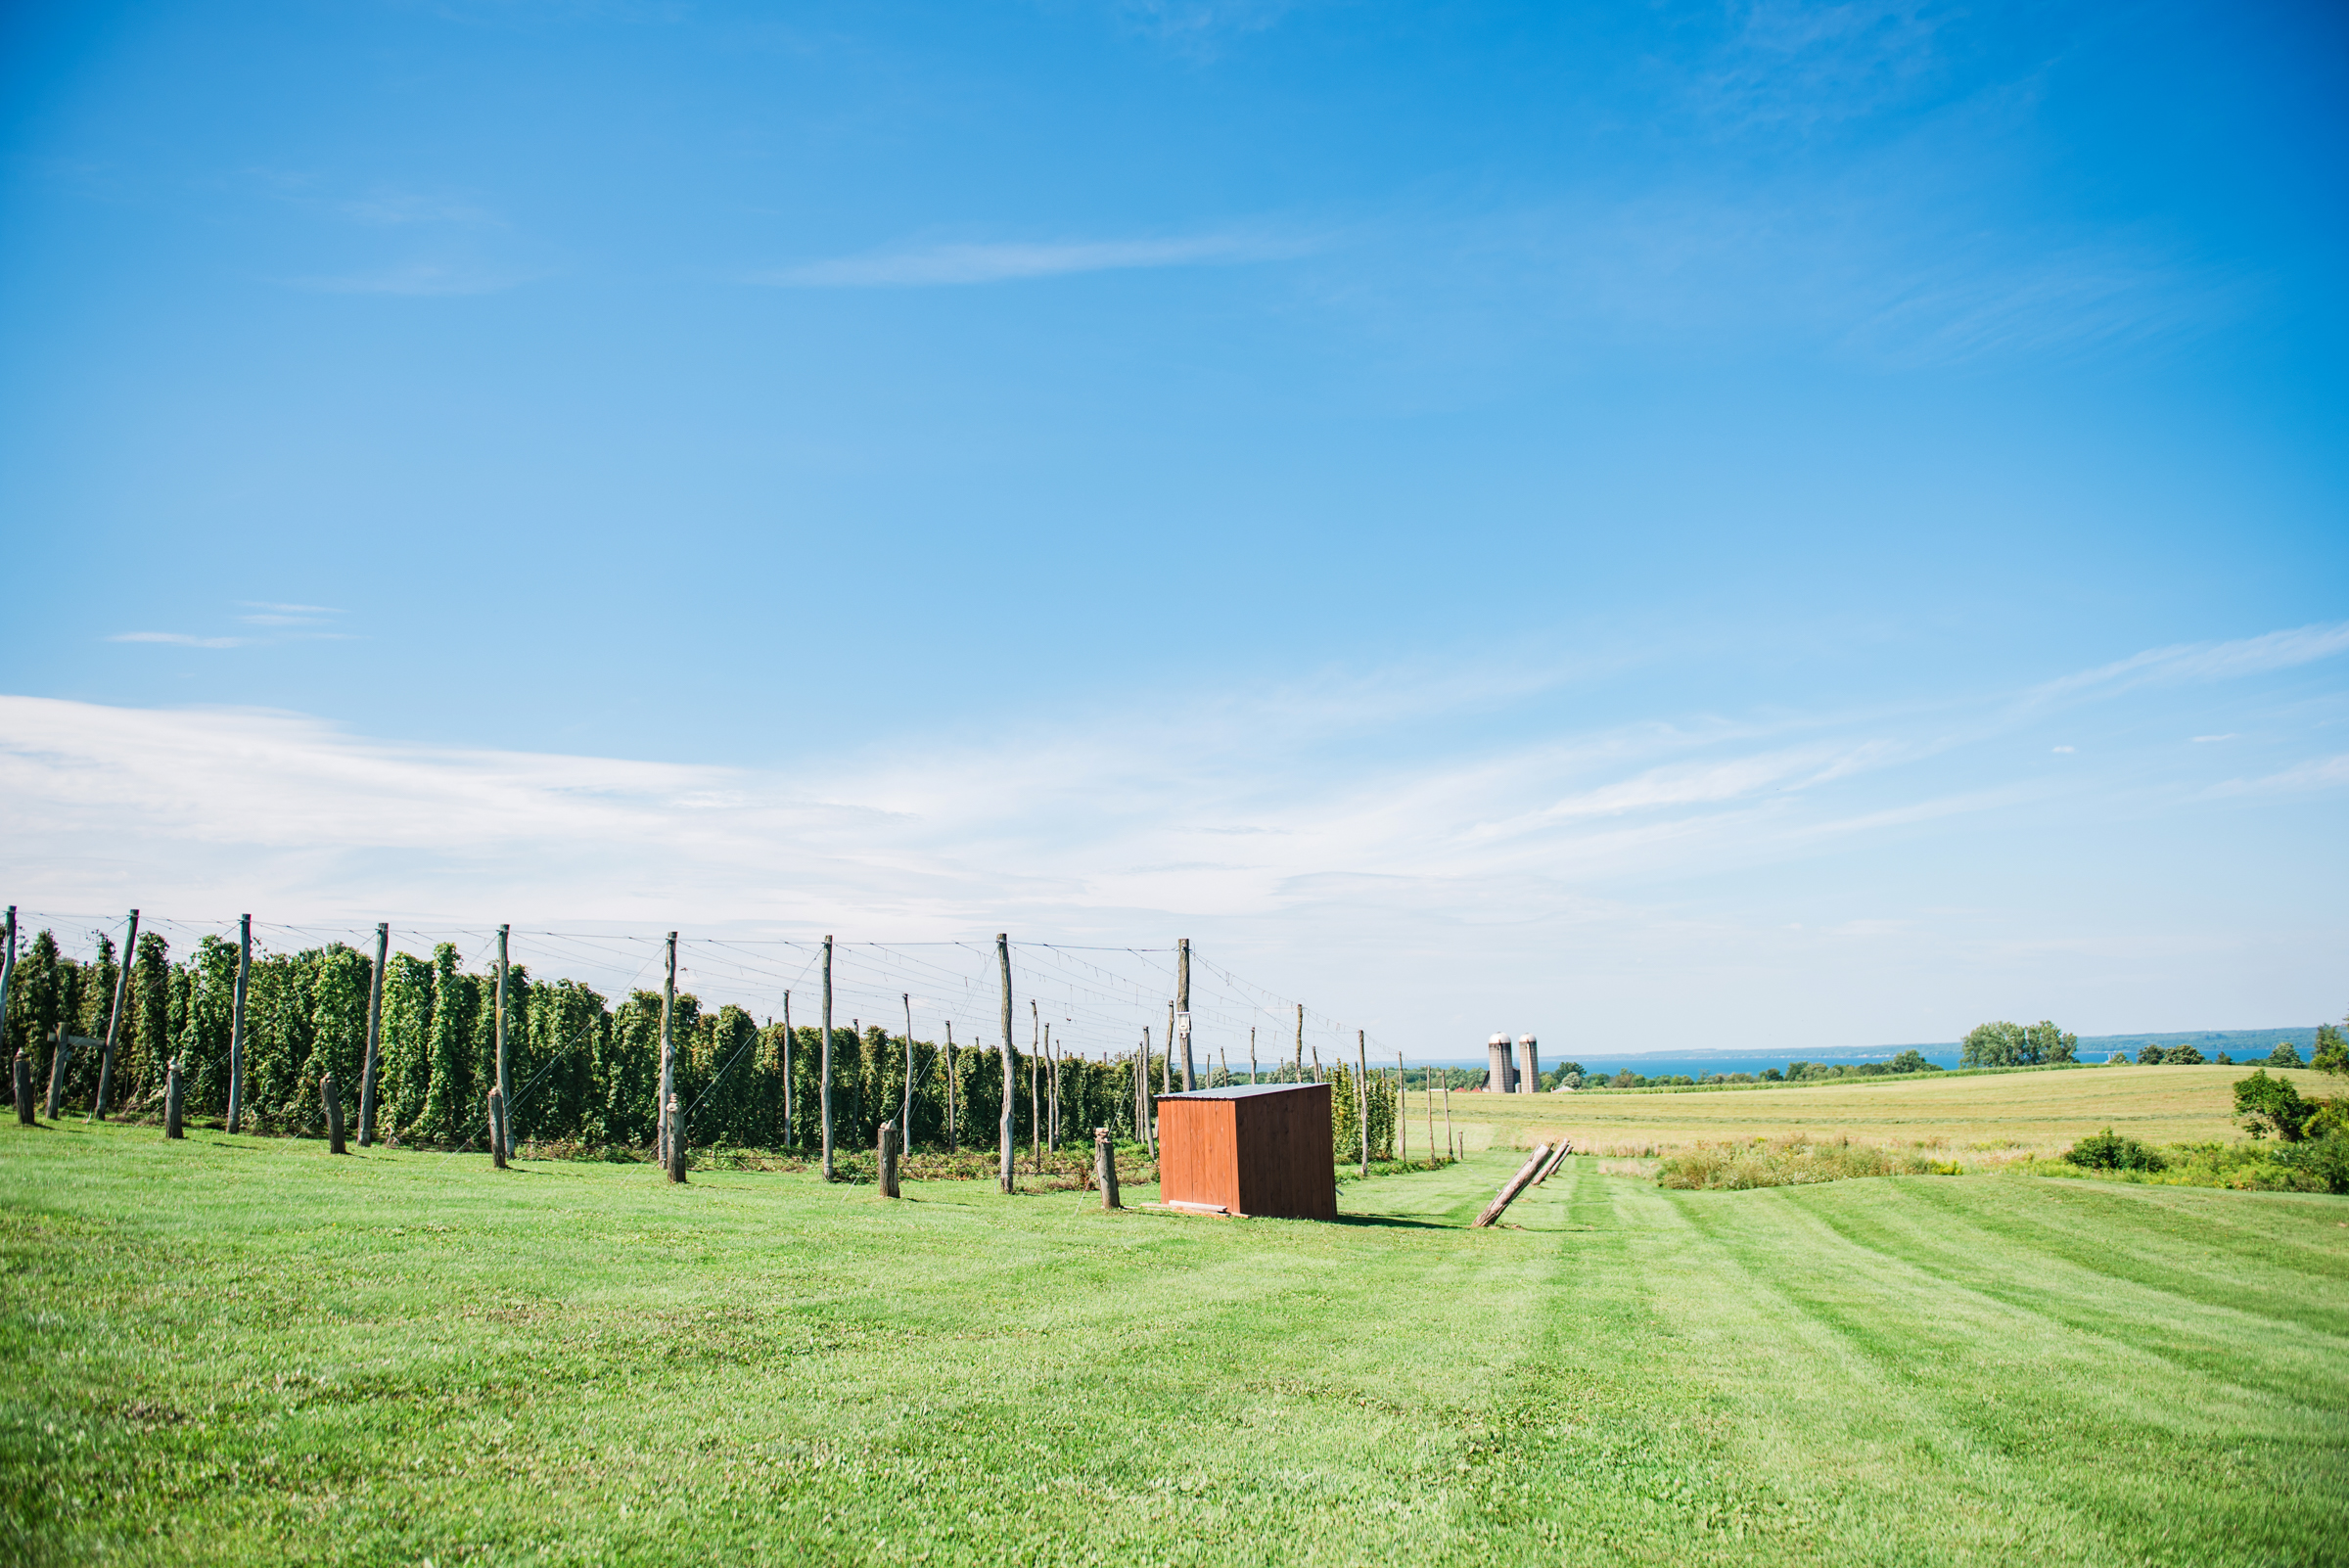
1261 1150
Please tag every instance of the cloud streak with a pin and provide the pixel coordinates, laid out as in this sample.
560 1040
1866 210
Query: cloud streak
948 266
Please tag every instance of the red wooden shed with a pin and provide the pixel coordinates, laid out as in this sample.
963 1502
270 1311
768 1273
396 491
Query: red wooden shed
1261 1150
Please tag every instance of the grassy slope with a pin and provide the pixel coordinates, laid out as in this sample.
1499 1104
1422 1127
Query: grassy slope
2045 1111
226 1348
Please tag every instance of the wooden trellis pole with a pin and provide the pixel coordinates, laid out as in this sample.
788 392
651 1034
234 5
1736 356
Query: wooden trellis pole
790 1141
1166 1058
1449 1142
1252 1056
1361 1086
1402 1113
1301 1045
952 1145
174 1099
375 1032
905 1106
114 1020
1007 1166
24 1110
824 1084
505 1083
1182 1007
497 1127
8 970
668 1056
675 1119
1035 1120
236 1027
885 1158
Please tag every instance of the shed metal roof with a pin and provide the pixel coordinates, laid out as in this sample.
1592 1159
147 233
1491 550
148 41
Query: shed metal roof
1237 1091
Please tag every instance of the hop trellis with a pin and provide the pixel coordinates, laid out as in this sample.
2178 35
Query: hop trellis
583 1018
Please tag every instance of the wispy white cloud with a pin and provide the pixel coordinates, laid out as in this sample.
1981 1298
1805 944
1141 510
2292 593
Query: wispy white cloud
179 639
1004 261
1265 827
2317 773
2202 661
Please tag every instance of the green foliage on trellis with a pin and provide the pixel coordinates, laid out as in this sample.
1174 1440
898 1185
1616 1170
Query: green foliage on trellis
583 1069
1345 1115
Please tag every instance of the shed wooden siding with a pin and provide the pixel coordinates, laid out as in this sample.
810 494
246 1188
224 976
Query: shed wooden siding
1267 1153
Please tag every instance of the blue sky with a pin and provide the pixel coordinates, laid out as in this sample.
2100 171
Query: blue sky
1761 526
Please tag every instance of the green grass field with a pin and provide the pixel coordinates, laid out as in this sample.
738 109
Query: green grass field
243 1349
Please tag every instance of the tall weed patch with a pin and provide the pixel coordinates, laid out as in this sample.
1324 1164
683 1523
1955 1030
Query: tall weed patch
1792 1162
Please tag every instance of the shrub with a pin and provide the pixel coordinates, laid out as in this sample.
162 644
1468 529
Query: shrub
2182 1056
2271 1106
2286 1054
2151 1056
2109 1151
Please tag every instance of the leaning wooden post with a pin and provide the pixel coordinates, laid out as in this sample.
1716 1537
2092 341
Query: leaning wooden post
497 1128
330 1099
1508 1194
1361 1086
173 1100
825 1086
505 1083
1182 1008
1006 1152
114 1020
375 1034
1565 1148
668 1057
1105 1168
24 1110
887 1158
675 1119
236 1027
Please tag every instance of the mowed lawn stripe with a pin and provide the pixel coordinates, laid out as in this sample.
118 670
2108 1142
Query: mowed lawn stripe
2098 1417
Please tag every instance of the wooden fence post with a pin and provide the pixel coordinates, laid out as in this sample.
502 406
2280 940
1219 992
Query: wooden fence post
24 1112
1006 1152
1105 1168
887 1158
1508 1194
330 1099
114 1020
668 1057
173 1100
375 1032
825 1073
497 1128
236 1027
